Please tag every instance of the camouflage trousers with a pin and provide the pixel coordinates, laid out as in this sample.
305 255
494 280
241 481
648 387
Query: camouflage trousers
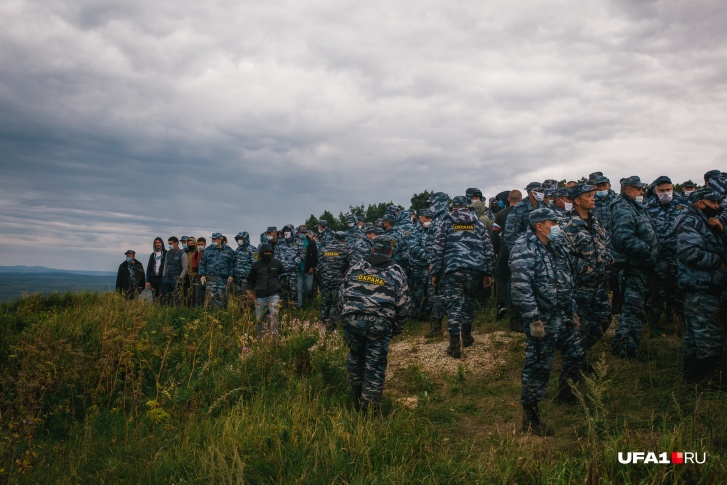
626 339
419 279
594 309
560 334
240 286
368 342
705 320
434 296
329 306
215 292
664 292
289 287
458 291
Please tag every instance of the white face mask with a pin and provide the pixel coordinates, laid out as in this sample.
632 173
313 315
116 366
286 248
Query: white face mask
687 192
427 224
539 196
240 242
639 199
287 235
568 206
350 224
666 196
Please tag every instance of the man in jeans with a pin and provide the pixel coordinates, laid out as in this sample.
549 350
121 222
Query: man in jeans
175 271
264 279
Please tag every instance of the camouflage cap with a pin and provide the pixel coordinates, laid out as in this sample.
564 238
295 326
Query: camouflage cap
272 229
339 234
550 184
216 235
534 186
459 201
472 192
711 174
633 181
592 177
425 213
549 192
689 183
661 180
541 215
580 189
600 179
241 235
389 217
383 243
561 192
718 184
351 218
374 230
184 239
322 223
705 193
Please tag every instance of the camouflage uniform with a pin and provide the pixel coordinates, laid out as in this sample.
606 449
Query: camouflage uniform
439 207
217 265
517 221
461 256
291 253
703 279
245 255
419 260
603 209
401 254
374 299
542 289
588 246
663 281
635 250
333 263
356 240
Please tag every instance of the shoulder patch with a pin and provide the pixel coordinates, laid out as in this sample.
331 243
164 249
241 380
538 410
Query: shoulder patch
370 279
463 227
331 254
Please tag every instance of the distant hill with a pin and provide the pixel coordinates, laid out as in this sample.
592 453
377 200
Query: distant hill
44 270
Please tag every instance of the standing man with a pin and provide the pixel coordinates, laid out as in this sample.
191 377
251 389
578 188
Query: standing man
264 280
636 250
374 299
216 269
517 222
325 235
155 269
664 207
587 242
462 260
604 197
307 268
334 262
439 206
419 261
703 279
130 277
502 269
193 258
542 288
289 251
175 272
245 256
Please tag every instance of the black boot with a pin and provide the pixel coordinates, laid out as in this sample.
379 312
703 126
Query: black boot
531 421
436 329
356 393
467 338
690 369
565 393
453 349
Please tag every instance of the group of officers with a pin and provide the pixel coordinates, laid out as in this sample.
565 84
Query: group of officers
563 260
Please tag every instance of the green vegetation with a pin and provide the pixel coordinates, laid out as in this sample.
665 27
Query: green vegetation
95 389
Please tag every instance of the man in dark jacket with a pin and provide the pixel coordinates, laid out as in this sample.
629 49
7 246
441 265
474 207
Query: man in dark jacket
264 279
307 268
155 268
502 269
130 278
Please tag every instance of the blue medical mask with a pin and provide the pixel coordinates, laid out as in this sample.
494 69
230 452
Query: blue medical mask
501 204
602 193
554 233
171 247
129 259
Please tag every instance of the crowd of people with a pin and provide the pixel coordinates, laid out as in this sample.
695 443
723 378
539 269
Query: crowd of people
565 261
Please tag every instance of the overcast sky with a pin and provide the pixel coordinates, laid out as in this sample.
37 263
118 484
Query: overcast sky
121 121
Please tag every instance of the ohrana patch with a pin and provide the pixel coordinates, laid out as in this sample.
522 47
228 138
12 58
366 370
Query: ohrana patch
463 227
371 279
331 254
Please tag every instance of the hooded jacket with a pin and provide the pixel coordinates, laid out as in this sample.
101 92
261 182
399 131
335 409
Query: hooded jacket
264 277
245 256
701 253
150 265
289 252
462 242
439 207
632 233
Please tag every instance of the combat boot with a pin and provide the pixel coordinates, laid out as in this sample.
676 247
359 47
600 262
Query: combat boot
436 329
356 393
565 393
531 421
453 349
467 338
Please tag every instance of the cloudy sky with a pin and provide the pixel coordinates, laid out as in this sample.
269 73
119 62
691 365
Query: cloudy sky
121 121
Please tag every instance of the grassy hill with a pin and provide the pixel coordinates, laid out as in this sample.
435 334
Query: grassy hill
95 389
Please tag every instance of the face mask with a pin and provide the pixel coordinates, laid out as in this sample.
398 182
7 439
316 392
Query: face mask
568 206
287 235
129 259
200 248
186 249
639 199
267 257
427 224
501 204
665 197
554 233
539 196
301 236
171 247
687 192
350 224
710 212
602 194
321 230
240 242
190 248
